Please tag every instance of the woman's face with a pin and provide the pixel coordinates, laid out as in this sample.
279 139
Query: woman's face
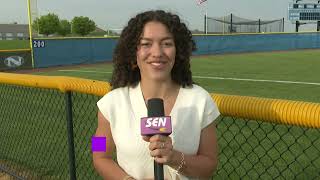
156 52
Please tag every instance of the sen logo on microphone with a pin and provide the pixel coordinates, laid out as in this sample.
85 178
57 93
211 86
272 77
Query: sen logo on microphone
156 125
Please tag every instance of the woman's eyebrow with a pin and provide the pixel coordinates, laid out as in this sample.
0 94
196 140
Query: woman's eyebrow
167 38
150 39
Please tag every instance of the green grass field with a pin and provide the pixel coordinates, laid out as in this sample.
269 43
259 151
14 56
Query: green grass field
35 137
295 70
14 44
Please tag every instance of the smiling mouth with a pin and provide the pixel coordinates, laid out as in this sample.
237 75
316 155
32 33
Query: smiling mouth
157 63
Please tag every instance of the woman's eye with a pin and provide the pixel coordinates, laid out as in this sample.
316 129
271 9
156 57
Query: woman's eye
167 44
145 44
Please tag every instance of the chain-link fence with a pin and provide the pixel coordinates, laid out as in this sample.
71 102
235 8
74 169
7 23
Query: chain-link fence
34 133
251 149
35 144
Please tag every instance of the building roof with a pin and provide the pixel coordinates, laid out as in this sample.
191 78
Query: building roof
14 28
99 30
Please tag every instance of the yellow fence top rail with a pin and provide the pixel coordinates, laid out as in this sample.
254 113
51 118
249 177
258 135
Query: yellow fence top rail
13 50
298 113
270 110
61 83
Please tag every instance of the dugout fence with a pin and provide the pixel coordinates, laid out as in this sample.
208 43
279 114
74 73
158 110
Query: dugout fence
47 123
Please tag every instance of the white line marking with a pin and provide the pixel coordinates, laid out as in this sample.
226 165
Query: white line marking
212 77
81 71
258 80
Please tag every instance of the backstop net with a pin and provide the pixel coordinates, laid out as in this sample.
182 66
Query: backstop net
235 24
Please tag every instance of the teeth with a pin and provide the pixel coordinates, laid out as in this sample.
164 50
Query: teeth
156 63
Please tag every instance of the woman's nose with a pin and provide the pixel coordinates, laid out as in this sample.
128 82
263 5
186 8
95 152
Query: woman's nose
156 50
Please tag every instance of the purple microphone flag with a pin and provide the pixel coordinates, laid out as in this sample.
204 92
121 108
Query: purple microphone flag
98 144
156 125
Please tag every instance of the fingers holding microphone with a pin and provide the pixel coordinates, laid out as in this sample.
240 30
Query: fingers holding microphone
161 149
160 142
157 126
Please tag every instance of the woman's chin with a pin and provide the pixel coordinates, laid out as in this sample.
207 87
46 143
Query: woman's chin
160 77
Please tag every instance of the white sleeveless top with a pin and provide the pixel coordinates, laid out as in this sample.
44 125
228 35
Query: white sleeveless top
193 110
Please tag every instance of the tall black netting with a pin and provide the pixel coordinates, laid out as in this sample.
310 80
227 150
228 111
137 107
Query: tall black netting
235 24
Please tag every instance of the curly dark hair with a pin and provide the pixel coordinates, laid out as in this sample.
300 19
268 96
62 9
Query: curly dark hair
125 55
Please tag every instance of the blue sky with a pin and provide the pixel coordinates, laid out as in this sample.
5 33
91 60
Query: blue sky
113 14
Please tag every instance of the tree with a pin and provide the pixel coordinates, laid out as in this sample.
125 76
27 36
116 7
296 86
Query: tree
64 27
35 25
47 24
82 25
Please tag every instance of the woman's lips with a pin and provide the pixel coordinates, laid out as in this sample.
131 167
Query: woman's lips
158 64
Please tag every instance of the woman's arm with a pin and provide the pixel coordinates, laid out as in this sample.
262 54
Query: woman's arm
103 161
204 164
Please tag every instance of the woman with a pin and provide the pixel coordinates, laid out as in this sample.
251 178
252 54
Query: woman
152 60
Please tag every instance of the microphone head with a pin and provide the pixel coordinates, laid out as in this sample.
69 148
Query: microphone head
155 107
156 122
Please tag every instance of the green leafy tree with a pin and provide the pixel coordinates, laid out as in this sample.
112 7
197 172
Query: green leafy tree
64 27
47 24
35 25
82 25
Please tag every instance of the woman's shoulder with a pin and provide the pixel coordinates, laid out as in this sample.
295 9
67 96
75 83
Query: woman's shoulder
196 90
117 93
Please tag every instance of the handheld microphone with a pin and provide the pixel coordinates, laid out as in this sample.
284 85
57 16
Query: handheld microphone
156 123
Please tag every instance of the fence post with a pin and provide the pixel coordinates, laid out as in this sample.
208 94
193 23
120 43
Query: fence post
72 164
205 24
231 28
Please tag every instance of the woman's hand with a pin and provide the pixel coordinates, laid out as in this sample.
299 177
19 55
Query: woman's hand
161 148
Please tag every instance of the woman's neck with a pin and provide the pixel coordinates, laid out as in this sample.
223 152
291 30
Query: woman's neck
158 89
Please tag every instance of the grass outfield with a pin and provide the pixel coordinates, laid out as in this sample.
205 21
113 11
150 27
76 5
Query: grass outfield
296 71
14 44
35 137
